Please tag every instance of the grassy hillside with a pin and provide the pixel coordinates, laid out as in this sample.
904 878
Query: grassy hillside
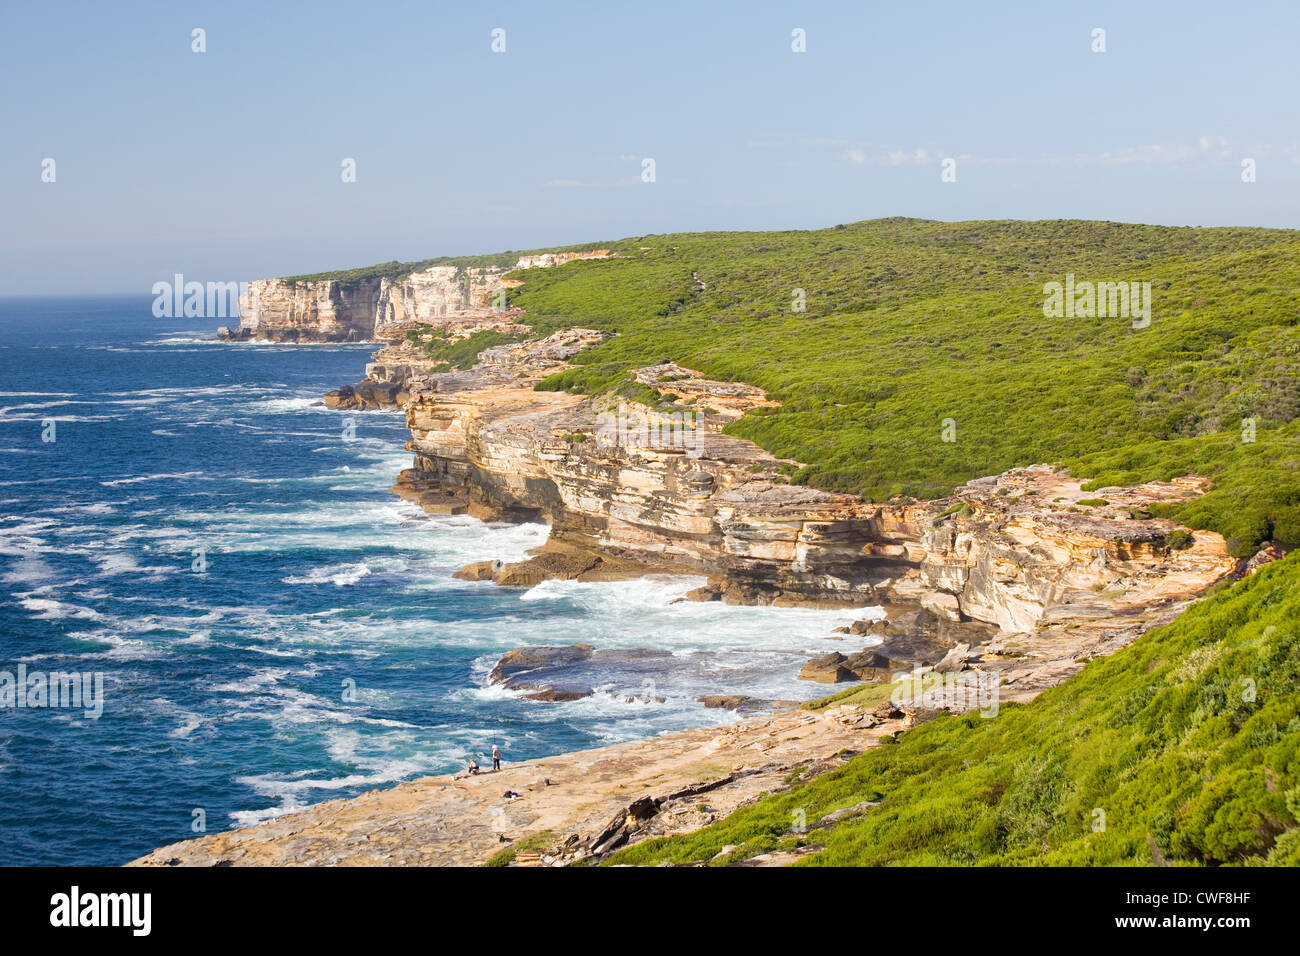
1188 741
908 323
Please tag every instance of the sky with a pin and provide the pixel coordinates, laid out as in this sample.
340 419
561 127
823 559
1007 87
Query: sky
226 165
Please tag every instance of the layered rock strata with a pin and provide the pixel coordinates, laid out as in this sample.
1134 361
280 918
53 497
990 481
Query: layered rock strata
276 310
666 489
375 307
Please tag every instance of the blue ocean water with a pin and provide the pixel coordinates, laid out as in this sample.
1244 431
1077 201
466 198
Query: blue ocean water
272 627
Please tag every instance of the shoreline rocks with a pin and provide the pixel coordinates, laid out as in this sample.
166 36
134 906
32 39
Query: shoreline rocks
520 669
367 396
552 673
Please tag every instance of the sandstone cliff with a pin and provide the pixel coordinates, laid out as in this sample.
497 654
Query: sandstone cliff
664 488
327 311
358 310
364 309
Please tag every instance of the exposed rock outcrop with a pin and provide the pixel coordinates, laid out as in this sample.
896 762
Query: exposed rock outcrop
278 310
524 668
377 307
665 489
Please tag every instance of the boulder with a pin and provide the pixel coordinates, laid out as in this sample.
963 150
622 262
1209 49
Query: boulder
839 815
954 660
343 397
523 659
827 669
545 566
546 692
630 653
724 701
479 571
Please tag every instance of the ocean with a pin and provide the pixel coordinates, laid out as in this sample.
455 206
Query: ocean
184 524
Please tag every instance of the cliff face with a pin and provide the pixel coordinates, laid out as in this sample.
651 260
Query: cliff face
424 298
329 311
332 310
359 310
628 487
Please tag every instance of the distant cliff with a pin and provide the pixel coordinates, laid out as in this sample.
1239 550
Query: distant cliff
363 308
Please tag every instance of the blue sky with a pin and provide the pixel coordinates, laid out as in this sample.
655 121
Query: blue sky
226 165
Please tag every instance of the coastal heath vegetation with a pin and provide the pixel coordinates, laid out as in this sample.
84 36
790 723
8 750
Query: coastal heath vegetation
881 339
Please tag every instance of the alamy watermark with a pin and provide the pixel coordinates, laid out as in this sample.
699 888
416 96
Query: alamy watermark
1098 300
64 690
197 300
629 426
958 692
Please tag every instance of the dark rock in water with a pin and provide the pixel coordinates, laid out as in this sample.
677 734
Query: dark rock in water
553 694
523 659
900 653
546 566
743 703
705 593
525 668
340 397
365 396
630 654
865 627
479 571
725 701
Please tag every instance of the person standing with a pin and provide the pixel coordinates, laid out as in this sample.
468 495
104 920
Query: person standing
496 757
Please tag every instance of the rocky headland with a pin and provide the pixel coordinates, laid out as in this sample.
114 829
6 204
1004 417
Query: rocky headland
1014 579
370 308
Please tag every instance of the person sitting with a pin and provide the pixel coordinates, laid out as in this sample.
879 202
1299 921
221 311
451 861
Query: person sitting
473 765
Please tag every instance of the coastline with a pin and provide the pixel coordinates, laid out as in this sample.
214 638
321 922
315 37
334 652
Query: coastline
583 805
1015 580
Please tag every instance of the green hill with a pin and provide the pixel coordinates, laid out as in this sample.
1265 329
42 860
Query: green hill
909 323
1188 742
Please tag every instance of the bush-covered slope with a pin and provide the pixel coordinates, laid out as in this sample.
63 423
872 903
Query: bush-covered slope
1188 742
909 323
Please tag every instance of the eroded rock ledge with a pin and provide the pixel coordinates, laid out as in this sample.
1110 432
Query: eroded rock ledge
629 489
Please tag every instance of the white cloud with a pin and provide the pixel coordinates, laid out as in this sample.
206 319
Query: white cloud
898 157
1212 148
